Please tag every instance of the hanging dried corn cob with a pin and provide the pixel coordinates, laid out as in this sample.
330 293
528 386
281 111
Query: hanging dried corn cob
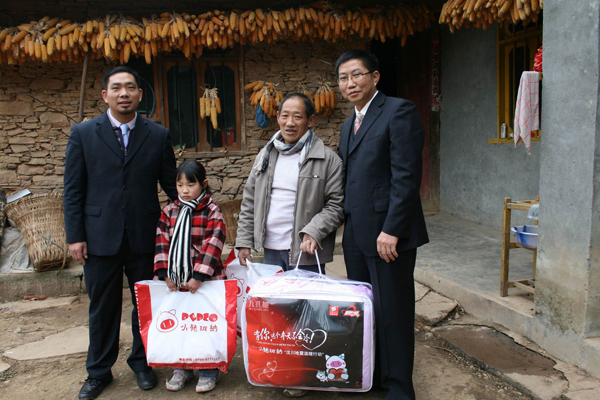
210 106
265 94
301 88
118 38
483 13
325 98
278 97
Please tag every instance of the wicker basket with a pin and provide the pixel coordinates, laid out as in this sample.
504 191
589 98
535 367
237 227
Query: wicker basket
231 212
40 218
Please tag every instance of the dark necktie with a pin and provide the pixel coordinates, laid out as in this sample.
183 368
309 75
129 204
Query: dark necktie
125 133
123 137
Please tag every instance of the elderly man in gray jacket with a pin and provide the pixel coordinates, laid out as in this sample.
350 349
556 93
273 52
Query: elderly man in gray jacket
294 196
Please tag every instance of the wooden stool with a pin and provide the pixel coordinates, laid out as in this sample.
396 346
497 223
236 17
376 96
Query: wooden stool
507 245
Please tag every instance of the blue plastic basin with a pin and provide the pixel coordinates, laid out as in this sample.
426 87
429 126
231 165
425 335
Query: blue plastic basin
527 235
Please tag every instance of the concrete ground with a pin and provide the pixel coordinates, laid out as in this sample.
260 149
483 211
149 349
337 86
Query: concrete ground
465 257
458 356
463 261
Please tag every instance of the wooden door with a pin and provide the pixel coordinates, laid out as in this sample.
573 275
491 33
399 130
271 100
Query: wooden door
406 72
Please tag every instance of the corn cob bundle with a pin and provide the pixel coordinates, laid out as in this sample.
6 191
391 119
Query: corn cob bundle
301 88
27 41
212 30
483 13
278 97
152 29
325 98
210 106
265 94
118 38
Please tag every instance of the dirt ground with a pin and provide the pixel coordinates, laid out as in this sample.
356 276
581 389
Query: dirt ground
440 373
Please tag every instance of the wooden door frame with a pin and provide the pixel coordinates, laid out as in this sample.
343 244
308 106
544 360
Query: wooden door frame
431 205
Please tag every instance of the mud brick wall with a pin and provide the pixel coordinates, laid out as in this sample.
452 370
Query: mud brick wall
34 134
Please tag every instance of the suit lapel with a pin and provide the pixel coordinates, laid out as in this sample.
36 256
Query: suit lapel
107 133
344 139
372 114
140 132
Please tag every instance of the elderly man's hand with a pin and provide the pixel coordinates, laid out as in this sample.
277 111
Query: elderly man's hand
78 251
309 244
386 247
243 254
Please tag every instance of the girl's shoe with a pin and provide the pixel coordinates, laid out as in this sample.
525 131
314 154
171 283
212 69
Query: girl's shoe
206 384
178 380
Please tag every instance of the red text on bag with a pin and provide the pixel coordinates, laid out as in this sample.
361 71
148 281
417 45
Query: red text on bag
199 317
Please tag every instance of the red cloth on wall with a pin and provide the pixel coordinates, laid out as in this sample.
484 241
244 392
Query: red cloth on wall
537 61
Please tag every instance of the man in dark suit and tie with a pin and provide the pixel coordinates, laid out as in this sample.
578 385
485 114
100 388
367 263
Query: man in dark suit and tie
113 164
381 145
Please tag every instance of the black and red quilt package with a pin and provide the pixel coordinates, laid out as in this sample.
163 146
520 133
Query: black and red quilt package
308 331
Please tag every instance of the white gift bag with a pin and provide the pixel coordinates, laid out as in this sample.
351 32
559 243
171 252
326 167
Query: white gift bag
188 330
246 277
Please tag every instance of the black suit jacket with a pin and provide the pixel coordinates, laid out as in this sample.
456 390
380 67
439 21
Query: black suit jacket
105 192
383 174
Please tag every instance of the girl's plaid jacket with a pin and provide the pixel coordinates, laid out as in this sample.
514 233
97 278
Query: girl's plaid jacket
208 238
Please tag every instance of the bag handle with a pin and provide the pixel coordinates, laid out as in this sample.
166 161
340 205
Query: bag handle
318 262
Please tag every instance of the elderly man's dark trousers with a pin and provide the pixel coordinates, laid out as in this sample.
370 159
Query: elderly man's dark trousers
104 284
394 302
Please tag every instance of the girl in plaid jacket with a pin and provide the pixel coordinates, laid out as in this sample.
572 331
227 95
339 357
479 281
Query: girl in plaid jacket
189 240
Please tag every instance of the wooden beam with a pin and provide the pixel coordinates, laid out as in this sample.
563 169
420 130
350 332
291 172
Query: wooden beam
83 79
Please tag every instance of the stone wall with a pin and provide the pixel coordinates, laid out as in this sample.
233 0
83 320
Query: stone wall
290 64
286 64
34 135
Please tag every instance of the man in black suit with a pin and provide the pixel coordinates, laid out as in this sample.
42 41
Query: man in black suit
113 164
381 145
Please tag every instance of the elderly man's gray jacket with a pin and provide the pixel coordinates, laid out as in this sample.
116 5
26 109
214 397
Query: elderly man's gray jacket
319 209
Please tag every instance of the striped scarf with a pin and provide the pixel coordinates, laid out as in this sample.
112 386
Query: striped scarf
302 146
180 267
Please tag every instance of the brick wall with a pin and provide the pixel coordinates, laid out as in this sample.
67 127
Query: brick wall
33 135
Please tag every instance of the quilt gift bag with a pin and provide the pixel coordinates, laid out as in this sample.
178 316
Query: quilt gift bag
185 330
308 331
245 278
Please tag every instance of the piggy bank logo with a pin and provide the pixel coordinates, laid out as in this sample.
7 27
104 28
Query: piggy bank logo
166 321
240 285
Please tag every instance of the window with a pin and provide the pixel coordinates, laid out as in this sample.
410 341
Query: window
181 101
148 106
183 83
517 47
171 88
